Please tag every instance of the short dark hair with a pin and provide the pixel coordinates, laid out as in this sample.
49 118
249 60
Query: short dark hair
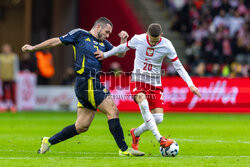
103 21
154 29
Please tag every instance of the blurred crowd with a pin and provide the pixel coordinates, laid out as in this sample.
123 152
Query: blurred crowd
216 33
39 63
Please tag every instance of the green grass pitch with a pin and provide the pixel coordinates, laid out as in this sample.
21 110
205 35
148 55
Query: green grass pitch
206 140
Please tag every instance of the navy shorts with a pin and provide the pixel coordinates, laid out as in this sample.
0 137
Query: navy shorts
90 92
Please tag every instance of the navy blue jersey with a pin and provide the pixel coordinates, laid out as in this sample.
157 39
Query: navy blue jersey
84 45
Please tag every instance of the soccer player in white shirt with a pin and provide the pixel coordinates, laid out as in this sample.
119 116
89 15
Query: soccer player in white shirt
145 84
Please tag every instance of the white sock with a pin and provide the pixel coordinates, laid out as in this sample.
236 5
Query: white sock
143 128
149 121
158 118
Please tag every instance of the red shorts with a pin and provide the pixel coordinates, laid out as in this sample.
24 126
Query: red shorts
153 93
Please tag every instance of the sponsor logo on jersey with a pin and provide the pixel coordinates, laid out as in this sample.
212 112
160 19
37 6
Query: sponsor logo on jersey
87 39
150 52
96 43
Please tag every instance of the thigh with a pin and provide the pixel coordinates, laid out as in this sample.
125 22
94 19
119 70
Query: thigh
155 98
109 108
157 111
137 88
84 117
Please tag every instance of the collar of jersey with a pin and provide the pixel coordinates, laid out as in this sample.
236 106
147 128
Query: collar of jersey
150 44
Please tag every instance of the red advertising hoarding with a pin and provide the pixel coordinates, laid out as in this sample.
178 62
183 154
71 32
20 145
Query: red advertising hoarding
218 94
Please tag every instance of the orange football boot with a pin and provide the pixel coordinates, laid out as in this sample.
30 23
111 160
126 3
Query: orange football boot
165 142
135 140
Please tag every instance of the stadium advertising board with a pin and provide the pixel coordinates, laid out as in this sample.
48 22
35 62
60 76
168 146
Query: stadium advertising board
33 97
26 91
57 98
218 94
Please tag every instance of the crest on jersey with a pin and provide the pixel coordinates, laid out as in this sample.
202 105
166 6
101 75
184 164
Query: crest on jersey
150 52
105 90
101 43
96 43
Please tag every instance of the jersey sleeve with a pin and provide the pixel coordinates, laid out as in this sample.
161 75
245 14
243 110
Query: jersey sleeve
172 55
71 37
132 43
108 46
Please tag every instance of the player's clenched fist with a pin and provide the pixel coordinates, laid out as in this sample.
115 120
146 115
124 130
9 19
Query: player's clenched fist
123 35
27 48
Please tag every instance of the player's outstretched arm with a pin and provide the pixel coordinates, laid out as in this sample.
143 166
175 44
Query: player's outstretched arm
184 75
124 37
44 45
114 51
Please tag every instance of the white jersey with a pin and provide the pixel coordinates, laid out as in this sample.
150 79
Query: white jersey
148 59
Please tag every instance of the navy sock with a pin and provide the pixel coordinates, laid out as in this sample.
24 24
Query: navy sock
117 132
66 133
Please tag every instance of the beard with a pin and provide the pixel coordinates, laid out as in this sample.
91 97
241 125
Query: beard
99 35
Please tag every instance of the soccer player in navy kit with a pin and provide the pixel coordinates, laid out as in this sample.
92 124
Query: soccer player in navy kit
90 92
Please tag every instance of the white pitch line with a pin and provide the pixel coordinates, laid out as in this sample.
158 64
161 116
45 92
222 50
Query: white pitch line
212 141
213 156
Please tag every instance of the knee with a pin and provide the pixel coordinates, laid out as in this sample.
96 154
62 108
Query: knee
81 128
140 97
158 118
114 113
